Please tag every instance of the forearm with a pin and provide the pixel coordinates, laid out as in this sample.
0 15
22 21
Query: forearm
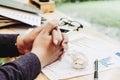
24 68
7 45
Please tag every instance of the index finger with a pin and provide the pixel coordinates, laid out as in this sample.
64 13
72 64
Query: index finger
48 28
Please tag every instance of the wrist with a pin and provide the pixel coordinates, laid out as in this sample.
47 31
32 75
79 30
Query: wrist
19 44
40 54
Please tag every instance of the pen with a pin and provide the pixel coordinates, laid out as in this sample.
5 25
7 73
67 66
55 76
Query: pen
96 70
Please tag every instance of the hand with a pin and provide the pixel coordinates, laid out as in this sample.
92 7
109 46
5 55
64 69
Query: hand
25 42
48 44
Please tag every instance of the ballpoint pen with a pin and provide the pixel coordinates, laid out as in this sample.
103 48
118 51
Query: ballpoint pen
96 70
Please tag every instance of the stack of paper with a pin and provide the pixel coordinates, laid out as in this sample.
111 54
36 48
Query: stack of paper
4 21
20 12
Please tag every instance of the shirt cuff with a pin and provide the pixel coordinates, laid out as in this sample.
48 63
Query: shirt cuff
7 45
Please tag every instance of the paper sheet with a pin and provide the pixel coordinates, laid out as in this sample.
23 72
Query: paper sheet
25 17
93 47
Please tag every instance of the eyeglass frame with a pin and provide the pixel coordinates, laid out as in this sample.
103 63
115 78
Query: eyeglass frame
68 22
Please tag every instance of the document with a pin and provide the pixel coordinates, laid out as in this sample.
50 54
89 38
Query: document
93 47
20 12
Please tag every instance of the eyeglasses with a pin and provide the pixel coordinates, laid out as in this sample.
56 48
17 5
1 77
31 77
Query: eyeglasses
73 24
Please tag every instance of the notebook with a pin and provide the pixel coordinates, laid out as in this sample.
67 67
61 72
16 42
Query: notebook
20 12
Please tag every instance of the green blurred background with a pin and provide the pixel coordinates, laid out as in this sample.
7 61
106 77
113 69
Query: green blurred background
104 15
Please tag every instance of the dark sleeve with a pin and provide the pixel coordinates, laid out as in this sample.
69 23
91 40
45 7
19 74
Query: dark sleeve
7 45
25 68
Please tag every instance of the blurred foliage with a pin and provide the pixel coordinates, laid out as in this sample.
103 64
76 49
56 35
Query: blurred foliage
104 13
1 61
64 1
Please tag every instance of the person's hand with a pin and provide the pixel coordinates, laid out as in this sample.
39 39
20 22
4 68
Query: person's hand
48 44
25 42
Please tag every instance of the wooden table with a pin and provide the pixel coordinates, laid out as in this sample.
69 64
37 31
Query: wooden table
112 74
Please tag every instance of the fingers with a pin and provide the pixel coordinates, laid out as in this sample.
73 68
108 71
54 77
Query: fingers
52 24
37 30
57 37
48 28
64 43
61 54
65 40
54 35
